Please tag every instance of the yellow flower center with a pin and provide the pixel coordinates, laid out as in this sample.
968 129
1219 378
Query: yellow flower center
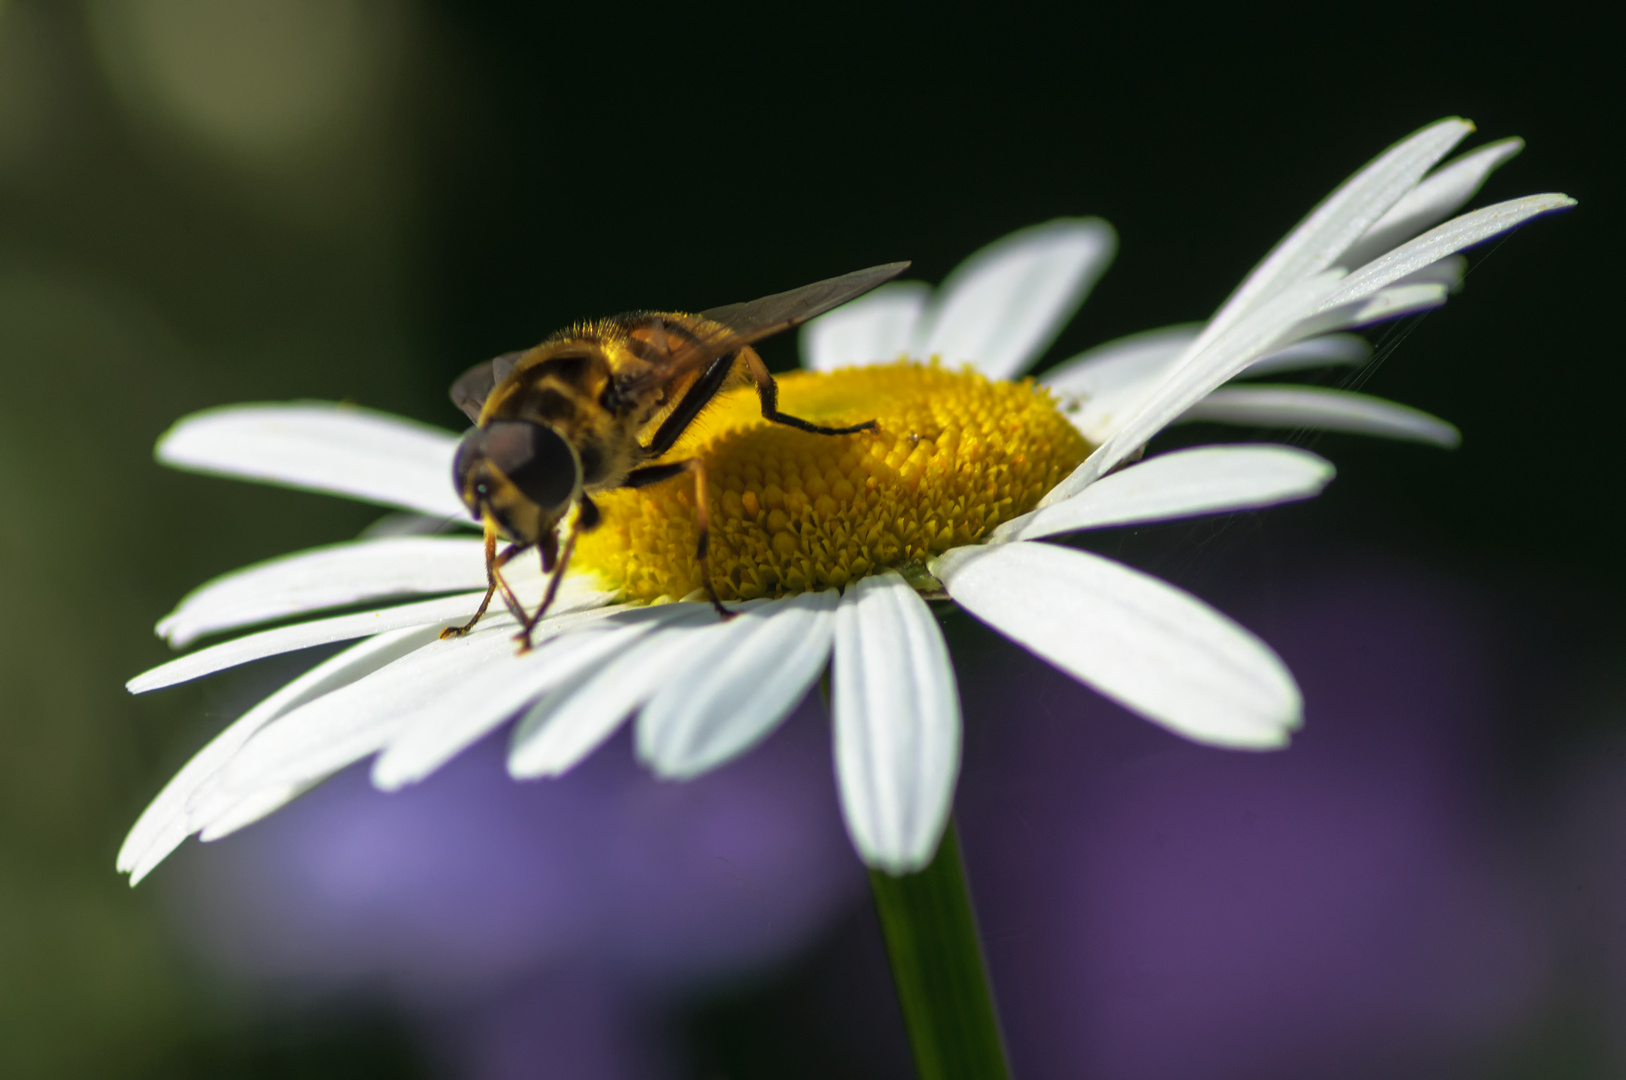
791 511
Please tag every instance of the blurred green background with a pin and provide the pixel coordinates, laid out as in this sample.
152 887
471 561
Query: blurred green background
205 202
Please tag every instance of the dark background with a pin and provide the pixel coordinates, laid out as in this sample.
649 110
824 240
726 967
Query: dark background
478 175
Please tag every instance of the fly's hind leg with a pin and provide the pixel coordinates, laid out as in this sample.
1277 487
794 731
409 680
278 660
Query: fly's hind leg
654 474
768 394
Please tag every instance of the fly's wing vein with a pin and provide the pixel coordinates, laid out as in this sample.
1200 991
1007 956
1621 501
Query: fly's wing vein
743 324
757 319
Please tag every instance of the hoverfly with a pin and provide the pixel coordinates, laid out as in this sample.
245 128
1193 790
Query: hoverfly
591 407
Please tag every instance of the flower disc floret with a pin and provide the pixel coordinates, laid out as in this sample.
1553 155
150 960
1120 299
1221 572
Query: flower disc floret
955 454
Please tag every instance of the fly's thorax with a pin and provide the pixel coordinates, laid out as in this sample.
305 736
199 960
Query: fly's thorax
576 383
955 455
563 384
555 383
643 348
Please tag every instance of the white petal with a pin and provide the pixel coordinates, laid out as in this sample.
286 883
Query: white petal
1449 272
1249 328
1326 410
1342 218
896 721
1122 362
447 611
163 825
1185 483
571 722
1432 201
460 715
253 807
1154 649
1318 352
875 328
1104 386
339 449
574 595
1442 240
1129 361
1257 334
317 739
1004 305
411 523
1391 303
326 577
746 675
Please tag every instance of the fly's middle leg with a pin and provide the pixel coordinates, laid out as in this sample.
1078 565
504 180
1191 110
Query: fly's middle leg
654 474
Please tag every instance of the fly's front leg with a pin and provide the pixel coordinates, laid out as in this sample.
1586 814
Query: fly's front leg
509 598
768 394
493 583
654 474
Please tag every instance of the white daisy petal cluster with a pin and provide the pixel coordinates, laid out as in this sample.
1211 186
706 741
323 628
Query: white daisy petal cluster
701 692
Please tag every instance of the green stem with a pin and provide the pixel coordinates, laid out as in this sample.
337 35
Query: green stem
931 936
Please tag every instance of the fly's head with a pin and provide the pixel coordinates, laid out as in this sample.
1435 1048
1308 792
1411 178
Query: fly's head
522 476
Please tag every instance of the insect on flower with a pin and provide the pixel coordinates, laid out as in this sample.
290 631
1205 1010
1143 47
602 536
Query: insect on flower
594 408
828 548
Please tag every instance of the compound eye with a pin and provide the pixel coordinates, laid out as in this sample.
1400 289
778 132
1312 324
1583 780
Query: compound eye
535 460
470 452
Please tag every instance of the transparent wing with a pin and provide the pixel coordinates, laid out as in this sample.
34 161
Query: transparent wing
757 319
471 389
742 324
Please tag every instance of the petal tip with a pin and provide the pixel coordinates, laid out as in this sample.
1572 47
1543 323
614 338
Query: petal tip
388 776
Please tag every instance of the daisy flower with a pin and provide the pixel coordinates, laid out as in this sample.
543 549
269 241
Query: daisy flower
831 549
